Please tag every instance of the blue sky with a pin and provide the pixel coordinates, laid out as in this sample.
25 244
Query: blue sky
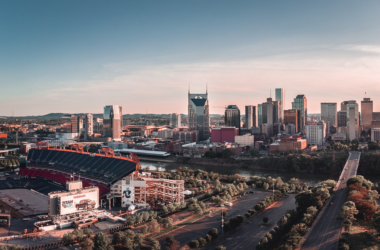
78 56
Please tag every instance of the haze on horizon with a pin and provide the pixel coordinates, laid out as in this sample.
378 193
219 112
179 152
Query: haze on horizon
78 56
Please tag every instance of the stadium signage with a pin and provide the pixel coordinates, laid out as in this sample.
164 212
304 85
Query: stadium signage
79 203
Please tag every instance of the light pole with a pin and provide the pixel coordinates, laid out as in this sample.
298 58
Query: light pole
222 219
273 185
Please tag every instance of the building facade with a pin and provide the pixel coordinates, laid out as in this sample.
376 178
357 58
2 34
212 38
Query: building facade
250 116
175 120
291 116
300 104
329 113
88 126
367 113
198 114
224 134
342 118
245 140
375 134
280 97
232 116
186 135
316 134
112 119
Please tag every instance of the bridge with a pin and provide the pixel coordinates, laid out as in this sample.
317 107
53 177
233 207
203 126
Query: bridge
326 229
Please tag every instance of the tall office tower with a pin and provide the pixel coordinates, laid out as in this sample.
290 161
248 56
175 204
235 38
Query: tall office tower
232 116
250 116
88 126
352 132
199 117
300 103
343 106
354 104
329 113
259 115
276 112
291 116
75 124
112 119
280 97
268 110
367 113
175 120
342 118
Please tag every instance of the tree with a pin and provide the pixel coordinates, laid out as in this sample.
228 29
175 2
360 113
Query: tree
3 247
167 223
347 225
348 211
144 229
214 233
78 235
153 226
221 247
202 241
117 238
208 238
14 247
376 222
266 186
68 238
138 239
194 244
156 245
127 243
100 241
87 244
193 200
88 232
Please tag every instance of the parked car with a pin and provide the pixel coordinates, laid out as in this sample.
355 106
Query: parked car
228 204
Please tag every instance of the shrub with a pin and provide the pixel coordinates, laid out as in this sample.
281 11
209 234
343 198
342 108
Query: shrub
201 241
208 238
214 233
194 244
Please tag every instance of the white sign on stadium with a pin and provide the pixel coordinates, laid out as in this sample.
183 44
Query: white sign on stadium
79 202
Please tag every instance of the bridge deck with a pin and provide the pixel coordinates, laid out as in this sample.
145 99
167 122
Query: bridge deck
326 229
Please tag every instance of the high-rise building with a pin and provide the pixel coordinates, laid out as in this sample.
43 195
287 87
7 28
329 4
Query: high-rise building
343 106
198 112
352 123
112 119
267 111
300 103
232 116
259 115
250 116
291 116
175 120
88 126
329 113
316 133
280 97
367 113
342 118
75 124
276 112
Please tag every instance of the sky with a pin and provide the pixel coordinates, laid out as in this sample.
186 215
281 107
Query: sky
79 56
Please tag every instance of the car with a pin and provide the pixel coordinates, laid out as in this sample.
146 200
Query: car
228 204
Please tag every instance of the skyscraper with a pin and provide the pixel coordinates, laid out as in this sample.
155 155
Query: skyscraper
250 116
329 113
259 115
353 119
232 116
112 119
88 126
300 103
367 113
175 120
198 111
280 97
342 118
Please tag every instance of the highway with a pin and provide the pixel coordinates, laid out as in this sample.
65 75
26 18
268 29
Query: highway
325 232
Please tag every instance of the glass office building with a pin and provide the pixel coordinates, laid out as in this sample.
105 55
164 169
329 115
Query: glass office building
232 116
198 114
280 97
112 119
300 104
329 113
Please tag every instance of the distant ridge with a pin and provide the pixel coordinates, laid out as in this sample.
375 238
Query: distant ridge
100 115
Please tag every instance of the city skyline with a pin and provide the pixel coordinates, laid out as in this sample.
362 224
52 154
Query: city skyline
143 57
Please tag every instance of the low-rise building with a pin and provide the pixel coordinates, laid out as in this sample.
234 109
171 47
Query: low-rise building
245 140
375 134
224 134
292 144
341 136
316 134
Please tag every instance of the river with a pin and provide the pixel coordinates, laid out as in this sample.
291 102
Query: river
310 178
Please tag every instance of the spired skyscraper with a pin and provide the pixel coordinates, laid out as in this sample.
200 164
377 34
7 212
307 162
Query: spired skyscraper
112 121
198 112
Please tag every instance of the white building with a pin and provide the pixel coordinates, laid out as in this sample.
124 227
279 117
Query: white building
165 133
175 120
245 140
316 134
375 134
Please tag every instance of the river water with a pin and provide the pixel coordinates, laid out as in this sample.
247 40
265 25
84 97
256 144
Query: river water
310 178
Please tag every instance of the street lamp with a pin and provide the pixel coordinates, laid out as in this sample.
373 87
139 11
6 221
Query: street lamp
222 219
273 185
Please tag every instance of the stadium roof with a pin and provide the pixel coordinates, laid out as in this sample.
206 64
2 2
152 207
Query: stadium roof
143 152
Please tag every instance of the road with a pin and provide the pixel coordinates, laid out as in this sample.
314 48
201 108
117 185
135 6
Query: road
325 232
248 235
201 227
